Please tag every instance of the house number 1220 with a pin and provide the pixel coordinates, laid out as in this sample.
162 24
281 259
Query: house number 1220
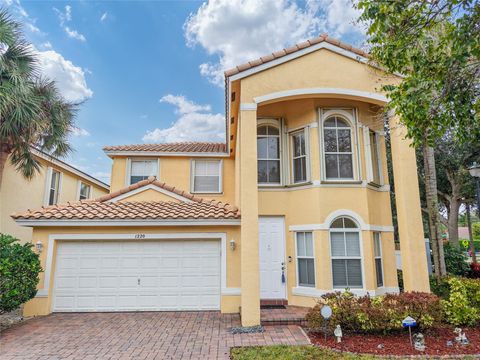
139 236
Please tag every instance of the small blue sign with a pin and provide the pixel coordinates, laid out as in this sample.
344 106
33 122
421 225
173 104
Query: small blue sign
409 322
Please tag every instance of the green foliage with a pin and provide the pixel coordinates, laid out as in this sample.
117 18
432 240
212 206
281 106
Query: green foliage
462 304
476 231
435 45
32 111
455 260
381 314
19 269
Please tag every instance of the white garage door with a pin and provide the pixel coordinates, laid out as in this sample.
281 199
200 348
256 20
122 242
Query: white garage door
137 275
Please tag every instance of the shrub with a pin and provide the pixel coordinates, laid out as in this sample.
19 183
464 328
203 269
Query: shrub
381 314
455 260
462 304
19 269
474 271
466 244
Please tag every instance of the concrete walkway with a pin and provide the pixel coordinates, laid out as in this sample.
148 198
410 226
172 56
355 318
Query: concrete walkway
141 335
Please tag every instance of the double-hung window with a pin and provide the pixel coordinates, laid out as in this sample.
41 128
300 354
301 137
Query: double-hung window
268 153
375 158
377 247
85 190
346 254
54 187
299 156
142 169
207 177
338 148
305 259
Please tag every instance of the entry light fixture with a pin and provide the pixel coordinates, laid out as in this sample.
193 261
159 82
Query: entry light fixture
39 246
233 245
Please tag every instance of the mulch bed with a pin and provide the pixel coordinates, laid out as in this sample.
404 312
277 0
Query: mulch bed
399 343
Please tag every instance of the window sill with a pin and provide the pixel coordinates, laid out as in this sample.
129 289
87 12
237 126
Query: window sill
375 185
335 182
206 193
298 184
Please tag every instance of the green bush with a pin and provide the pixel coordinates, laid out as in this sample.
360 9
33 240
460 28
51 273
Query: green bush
19 269
460 300
455 260
381 314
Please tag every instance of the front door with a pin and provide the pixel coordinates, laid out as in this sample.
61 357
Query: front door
272 257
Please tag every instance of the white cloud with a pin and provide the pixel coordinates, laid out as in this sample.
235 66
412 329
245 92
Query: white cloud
79 132
102 175
65 17
240 30
46 45
195 123
74 34
70 78
104 16
16 8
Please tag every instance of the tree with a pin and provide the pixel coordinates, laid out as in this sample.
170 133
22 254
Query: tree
19 269
455 186
435 45
32 111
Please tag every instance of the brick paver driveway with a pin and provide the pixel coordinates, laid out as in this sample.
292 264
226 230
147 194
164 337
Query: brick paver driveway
143 335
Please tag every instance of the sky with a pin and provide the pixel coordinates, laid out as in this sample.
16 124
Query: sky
152 71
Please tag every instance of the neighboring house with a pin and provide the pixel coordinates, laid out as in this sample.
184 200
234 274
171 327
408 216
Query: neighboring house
56 183
293 205
463 233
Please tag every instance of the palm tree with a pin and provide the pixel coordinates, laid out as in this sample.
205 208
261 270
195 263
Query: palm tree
32 111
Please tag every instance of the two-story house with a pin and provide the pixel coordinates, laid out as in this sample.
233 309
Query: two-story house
57 182
293 205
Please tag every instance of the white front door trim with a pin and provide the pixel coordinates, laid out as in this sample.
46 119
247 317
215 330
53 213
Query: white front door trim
44 292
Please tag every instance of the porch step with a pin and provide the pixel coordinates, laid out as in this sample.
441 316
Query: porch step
291 315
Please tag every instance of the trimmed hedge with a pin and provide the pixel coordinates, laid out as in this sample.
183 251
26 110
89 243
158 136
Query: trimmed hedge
381 314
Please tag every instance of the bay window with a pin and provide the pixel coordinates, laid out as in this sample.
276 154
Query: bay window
338 148
377 247
299 156
268 153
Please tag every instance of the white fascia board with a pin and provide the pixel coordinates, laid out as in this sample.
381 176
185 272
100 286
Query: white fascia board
70 168
163 153
297 54
83 223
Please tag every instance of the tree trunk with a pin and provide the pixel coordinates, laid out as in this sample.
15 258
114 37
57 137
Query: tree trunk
470 235
4 152
432 206
453 222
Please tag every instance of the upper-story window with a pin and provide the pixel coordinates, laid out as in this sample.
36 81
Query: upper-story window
207 176
54 188
84 191
268 150
142 169
338 148
299 156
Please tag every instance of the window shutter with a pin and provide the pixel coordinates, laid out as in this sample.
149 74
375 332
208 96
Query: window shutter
354 273
339 273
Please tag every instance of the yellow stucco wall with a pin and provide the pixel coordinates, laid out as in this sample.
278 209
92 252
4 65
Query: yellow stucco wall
18 194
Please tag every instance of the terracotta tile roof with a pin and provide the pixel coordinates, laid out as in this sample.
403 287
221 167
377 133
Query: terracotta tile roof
202 147
101 209
278 54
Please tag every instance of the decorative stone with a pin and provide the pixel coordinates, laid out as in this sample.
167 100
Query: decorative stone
246 329
461 338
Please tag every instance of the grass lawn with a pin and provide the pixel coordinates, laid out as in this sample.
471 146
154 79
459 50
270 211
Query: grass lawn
286 352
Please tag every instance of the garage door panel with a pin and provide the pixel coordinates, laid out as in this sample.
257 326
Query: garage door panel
104 275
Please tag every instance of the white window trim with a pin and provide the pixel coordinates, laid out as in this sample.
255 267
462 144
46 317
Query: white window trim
129 168
48 182
79 189
306 134
314 261
378 257
220 177
350 115
368 156
278 123
361 257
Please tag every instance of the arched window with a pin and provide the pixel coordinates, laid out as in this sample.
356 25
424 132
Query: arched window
338 149
268 153
346 254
